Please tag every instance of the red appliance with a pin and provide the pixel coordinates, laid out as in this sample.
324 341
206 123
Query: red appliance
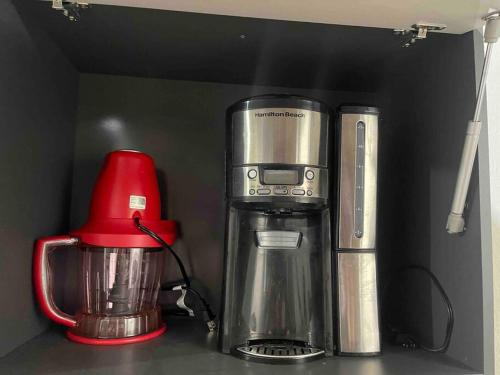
120 266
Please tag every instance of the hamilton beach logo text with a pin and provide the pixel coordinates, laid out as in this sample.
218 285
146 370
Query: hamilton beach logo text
280 114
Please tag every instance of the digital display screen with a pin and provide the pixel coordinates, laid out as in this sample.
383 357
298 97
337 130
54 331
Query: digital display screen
281 177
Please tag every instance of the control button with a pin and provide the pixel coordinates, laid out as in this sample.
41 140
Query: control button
309 193
263 191
252 191
309 174
279 191
298 191
252 173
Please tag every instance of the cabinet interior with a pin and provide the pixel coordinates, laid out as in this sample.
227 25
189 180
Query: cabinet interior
161 81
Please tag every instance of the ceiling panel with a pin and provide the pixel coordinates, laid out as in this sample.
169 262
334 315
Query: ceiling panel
193 46
460 15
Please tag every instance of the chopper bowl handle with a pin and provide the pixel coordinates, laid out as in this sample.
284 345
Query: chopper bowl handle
42 277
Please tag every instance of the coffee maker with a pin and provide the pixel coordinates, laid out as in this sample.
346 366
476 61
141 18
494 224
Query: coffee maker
357 318
277 304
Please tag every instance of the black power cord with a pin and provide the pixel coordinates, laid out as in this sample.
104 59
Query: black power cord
197 306
408 340
158 239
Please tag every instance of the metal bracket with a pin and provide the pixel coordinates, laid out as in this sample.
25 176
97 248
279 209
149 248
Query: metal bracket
492 15
70 9
418 31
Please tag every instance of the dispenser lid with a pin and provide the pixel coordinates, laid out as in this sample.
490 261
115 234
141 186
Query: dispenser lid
279 101
358 108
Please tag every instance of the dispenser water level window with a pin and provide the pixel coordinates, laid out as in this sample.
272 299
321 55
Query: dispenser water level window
359 179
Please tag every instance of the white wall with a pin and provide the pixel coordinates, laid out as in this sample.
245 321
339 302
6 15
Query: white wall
493 100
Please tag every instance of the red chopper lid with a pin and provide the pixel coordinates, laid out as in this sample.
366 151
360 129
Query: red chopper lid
126 188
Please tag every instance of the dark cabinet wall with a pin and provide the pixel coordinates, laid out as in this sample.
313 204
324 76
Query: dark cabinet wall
431 98
38 92
181 124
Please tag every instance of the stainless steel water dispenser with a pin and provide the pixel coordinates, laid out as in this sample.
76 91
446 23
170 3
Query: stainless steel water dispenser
357 318
277 303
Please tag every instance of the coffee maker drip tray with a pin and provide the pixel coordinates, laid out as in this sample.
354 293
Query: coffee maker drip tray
278 350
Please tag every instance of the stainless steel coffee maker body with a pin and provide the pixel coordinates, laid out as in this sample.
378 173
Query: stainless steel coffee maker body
357 318
277 302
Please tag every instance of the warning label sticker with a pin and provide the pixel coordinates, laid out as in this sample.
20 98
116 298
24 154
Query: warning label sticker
137 202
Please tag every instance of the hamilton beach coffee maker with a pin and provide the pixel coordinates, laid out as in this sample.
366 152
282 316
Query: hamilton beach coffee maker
277 304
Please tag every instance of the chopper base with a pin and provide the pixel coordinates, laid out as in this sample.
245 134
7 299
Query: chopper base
116 341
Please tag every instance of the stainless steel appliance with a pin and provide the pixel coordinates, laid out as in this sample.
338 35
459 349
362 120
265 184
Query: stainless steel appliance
277 302
357 316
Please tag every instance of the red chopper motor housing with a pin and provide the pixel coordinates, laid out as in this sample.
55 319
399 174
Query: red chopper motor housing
121 266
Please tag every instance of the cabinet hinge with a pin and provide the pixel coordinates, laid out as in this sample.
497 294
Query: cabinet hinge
417 31
70 9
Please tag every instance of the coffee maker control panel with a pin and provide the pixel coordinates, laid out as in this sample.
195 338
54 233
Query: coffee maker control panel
271 181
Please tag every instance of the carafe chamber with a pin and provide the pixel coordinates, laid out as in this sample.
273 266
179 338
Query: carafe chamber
279 270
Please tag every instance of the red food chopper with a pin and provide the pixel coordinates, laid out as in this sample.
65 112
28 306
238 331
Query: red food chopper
121 264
